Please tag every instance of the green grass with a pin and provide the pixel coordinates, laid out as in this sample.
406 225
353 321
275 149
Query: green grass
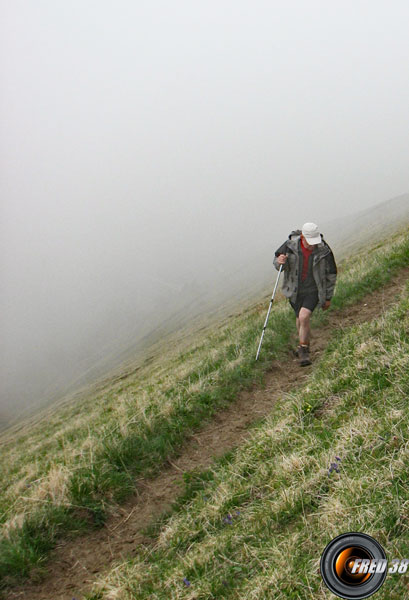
255 525
65 473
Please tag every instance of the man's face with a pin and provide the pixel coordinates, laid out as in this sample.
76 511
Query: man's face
306 244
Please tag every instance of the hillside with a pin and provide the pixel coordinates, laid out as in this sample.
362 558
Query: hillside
89 455
330 458
372 225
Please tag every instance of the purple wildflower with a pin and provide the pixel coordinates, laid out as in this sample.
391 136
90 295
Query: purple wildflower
333 467
186 582
338 458
228 519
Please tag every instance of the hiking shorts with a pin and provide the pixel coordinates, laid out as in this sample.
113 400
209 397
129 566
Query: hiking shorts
309 301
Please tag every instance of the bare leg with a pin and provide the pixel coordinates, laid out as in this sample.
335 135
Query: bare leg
303 326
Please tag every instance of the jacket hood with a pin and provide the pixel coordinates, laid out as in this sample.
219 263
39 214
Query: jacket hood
297 232
294 233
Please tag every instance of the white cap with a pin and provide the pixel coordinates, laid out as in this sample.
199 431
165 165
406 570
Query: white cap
311 233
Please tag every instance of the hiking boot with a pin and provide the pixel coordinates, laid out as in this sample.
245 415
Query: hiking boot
303 353
296 352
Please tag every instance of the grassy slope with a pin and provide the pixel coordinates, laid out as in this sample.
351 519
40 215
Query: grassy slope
258 524
87 455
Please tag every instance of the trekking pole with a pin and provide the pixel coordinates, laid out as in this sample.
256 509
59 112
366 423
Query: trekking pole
268 312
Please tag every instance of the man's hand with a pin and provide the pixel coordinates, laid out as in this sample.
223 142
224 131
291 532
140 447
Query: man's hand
326 305
281 258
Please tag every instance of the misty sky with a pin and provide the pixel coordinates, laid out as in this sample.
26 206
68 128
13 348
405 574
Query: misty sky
146 144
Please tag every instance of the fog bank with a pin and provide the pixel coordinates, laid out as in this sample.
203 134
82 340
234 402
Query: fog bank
149 150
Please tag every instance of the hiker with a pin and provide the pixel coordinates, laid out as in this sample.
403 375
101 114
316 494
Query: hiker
310 273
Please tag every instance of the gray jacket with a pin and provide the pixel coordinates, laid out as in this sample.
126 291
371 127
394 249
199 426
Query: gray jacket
324 268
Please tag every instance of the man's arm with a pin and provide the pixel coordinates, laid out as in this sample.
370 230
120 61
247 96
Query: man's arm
331 274
282 250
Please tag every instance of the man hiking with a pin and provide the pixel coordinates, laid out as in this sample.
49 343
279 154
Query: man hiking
310 273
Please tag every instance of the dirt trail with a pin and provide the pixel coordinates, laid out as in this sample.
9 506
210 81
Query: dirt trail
76 564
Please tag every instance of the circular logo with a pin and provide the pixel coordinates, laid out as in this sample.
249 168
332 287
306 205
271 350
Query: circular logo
351 566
